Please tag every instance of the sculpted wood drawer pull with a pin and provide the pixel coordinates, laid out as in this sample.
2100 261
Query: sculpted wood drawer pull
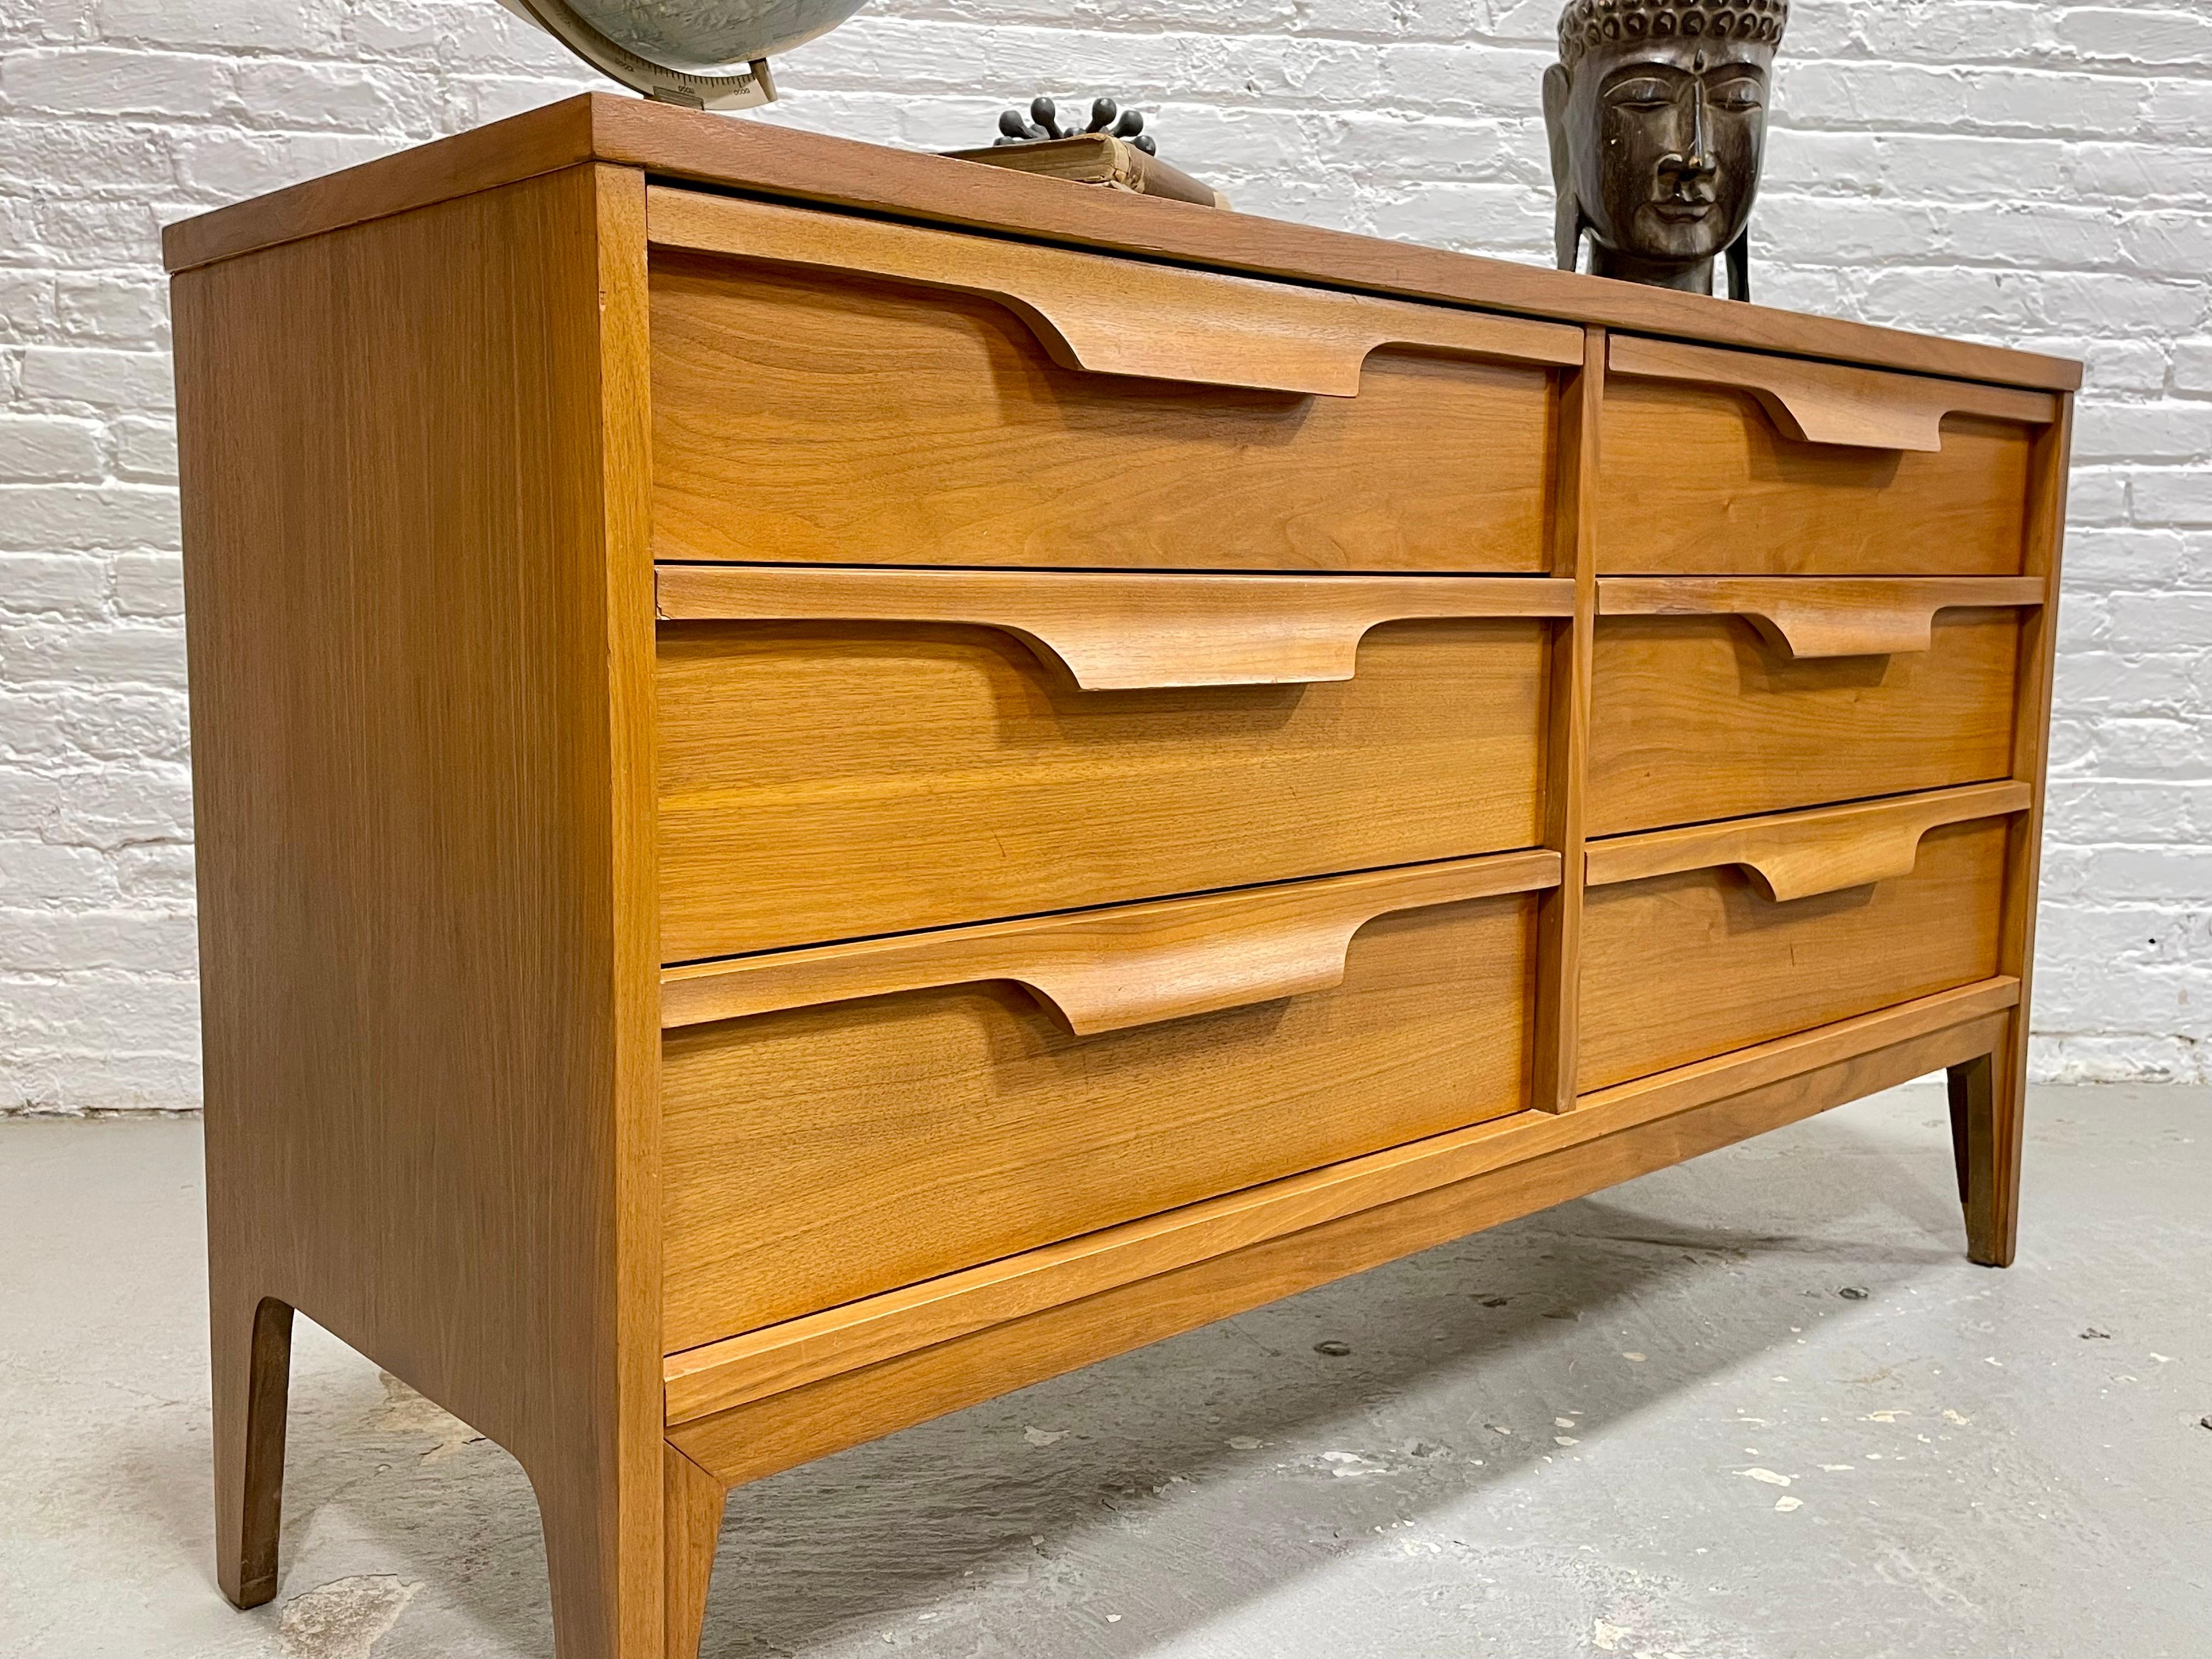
1107 970
1821 616
1119 316
1798 854
1114 631
1832 403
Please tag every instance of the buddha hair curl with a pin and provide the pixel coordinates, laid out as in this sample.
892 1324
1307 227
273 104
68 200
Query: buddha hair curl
1593 25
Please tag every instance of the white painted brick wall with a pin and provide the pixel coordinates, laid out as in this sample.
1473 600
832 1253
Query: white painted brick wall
2034 174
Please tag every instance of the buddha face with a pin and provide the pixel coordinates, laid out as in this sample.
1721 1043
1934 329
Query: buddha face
1659 142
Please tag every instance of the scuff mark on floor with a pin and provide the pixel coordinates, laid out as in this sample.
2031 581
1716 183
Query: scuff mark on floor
345 1619
409 1413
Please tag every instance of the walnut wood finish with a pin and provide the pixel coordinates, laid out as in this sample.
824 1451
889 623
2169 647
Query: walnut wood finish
414 560
692 1525
801 416
1989 1103
1830 403
834 781
796 1425
814 1156
1107 970
1154 322
1357 965
1801 854
1113 632
740 1370
1696 717
1698 481
1739 968
1817 617
1574 557
760 160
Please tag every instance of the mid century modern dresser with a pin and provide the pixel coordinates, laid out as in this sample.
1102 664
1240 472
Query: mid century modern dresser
832 781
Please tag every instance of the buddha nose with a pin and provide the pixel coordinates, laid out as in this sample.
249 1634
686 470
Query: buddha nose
1699 161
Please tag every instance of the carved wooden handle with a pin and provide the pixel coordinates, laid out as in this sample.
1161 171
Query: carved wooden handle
1830 403
1129 965
1119 316
1821 616
1114 631
1798 854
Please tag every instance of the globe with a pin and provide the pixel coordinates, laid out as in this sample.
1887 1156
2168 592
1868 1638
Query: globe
705 52
712 37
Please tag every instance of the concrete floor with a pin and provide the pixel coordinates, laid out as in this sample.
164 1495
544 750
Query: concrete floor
1662 1422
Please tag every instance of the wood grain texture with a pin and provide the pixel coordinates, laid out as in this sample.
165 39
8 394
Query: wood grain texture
1738 969
1822 616
832 781
795 1352
797 1424
1105 971
1566 749
803 416
1795 855
251 1350
692 1525
1699 718
826 1154
1830 403
1117 632
421 638
763 160
1698 481
1993 1136
1116 316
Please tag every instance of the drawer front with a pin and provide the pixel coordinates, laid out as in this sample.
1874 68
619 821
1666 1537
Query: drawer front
1722 463
1680 967
816 1154
1696 717
849 392
824 780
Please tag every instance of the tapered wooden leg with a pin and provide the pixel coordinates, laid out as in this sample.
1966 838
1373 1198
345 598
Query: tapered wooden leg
1988 1116
693 1525
250 1340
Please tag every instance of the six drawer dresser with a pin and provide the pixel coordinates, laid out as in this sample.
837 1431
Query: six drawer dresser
832 781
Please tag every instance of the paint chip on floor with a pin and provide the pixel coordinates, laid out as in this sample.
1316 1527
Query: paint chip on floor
1045 1436
345 1619
1767 1476
1789 1506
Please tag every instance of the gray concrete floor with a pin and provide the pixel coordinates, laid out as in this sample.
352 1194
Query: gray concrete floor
1658 1422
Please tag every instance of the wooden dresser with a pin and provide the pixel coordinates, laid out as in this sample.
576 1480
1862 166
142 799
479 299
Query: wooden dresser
832 781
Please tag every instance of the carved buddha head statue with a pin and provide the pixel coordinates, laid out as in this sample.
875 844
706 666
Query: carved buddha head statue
1656 111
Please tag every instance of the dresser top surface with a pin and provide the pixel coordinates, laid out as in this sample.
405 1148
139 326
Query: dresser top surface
762 160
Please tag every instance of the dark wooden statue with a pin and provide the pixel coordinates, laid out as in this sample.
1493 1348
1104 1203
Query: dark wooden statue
1656 111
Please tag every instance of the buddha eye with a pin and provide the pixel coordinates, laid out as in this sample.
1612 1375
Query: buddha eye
1641 95
1739 94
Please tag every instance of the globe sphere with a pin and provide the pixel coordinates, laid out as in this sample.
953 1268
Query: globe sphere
712 37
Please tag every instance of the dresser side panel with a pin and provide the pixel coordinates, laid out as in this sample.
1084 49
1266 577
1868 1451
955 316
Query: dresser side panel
420 617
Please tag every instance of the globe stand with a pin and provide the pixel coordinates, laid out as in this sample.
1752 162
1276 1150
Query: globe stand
748 89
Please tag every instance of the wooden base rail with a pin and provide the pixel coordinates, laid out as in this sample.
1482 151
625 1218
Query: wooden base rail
1798 854
1153 321
1117 631
1821 616
1124 965
788 1356
1830 402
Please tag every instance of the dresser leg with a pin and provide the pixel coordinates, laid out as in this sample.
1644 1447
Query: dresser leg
1988 1101
251 1344
695 1504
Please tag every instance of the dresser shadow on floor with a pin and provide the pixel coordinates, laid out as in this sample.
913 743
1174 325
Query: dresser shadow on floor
1032 1513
